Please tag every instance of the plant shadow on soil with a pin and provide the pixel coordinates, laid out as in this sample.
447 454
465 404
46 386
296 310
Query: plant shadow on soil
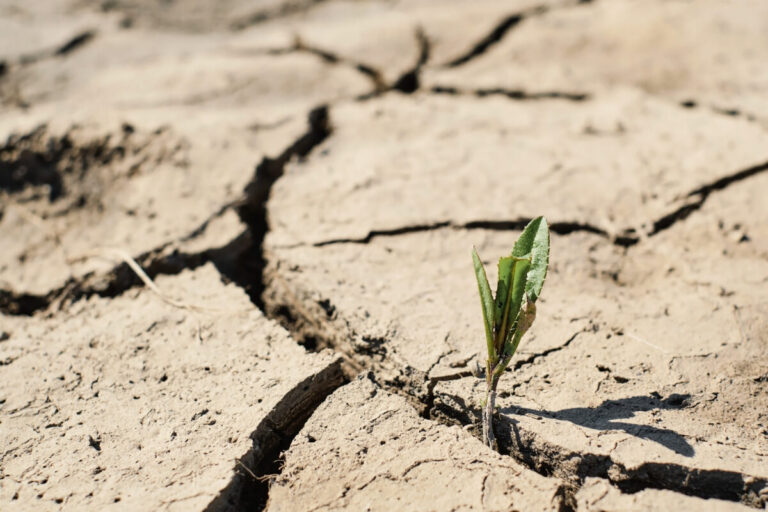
603 418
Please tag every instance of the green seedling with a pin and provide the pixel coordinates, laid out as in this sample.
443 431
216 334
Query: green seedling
510 314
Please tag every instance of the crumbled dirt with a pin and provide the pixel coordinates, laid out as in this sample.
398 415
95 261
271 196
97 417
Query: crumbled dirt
235 269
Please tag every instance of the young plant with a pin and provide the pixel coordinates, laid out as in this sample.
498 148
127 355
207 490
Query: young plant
510 314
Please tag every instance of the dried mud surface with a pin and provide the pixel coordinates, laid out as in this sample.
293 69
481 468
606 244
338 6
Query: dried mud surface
235 271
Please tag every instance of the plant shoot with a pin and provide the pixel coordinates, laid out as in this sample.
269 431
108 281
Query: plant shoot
508 315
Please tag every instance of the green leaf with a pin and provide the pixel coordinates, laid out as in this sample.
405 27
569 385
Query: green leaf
502 292
534 240
519 281
524 320
486 301
511 270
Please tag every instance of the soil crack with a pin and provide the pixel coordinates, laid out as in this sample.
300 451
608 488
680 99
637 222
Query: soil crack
694 200
376 233
75 43
249 487
370 72
163 260
550 460
533 357
513 94
115 282
725 111
284 9
697 197
560 227
499 31
409 81
71 45
12 303
495 36
300 46
253 211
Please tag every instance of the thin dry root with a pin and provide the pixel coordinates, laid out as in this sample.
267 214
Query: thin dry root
109 253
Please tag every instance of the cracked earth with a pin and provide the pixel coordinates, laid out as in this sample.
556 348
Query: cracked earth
235 269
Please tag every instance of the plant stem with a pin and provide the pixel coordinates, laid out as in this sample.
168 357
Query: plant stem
490 403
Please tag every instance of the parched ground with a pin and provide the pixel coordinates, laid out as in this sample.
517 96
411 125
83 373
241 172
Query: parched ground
235 269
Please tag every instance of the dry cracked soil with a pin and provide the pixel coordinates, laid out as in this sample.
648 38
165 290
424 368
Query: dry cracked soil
235 269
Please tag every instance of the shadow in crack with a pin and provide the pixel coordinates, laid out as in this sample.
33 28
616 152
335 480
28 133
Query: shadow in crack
604 416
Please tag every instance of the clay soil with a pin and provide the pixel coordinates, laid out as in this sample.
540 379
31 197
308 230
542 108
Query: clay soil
235 265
